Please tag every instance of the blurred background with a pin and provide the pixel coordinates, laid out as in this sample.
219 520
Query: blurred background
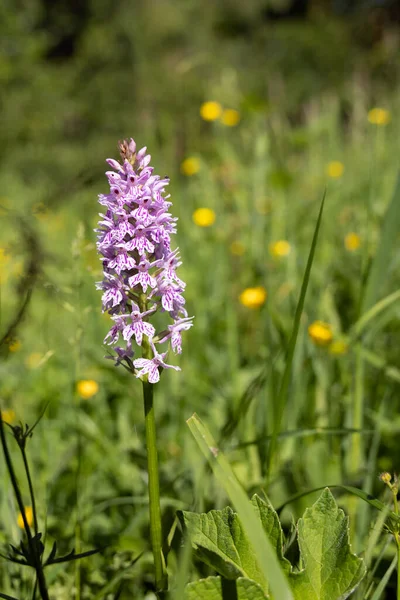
253 109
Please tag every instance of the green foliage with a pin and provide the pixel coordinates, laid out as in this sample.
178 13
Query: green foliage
215 588
331 571
220 541
75 79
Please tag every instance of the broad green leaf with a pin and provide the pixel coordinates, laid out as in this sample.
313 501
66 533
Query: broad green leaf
218 540
215 588
261 546
272 527
331 571
392 518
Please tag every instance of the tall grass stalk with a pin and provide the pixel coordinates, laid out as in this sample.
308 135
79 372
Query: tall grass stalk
284 386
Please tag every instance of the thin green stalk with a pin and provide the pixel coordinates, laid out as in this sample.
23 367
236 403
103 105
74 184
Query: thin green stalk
152 468
356 454
154 488
33 552
287 374
397 536
398 567
31 492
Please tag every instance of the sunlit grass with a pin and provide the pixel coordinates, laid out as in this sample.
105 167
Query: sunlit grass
247 202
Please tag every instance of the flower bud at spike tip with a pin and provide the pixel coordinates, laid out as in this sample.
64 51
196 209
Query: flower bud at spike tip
385 477
139 266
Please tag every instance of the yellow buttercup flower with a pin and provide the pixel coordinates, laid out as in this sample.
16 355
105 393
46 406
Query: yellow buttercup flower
335 169
320 333
14 346
379 116
237 248
204 217
280 248
230 117
8 416
190 166
352 241
210 111
338 348
86 388
253 297
28 515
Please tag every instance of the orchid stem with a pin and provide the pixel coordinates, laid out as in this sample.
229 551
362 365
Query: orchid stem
154 489
152 467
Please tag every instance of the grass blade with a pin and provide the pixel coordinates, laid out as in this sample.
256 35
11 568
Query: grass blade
301 433
282 394
383 582
380 306
267 560
378 271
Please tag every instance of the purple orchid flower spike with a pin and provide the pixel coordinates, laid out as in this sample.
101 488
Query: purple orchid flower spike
134 241
174 333
150 366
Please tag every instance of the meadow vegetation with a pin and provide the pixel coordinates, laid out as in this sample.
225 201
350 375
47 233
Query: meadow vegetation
254 128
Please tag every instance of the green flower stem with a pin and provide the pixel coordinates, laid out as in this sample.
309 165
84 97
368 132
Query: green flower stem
154 488
152 467
395 490
31 492
32 546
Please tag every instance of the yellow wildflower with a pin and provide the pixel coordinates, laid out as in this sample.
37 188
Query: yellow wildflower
14 345
385 477
237 248
190 166
352 241
335 169
33 360
338 348
230 117
204 217
210 111
320 333
8 416
28 515
253 297
86 388
280 248
379 116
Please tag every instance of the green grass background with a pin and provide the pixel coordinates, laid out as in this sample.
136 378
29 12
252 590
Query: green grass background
303 90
